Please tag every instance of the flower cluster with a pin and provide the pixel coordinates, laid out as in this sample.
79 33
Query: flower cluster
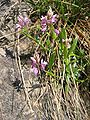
22 21
49 19
37 65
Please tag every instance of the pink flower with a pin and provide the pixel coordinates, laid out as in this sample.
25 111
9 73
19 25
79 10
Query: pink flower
36 65
56 31
22 21
49 19
35 71
18 26
44 20
44 28
26 21
43 64
33 62
53 19
44 23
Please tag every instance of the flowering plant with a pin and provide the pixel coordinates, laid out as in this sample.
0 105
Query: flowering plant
22 21
49 20
50 40
37 65
53 43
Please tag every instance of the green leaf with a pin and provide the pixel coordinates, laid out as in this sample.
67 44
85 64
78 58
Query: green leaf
68 69
81 81
50 73
73 46
48 43
62 8
67 61
54 36
63 34
65 52
51 60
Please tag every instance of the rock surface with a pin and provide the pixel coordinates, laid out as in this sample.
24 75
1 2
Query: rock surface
13 105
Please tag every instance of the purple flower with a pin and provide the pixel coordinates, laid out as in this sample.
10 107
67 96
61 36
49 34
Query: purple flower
36 65
46 20
44 23
35 71
26 21
22 21
56 31
50 16
33 62
53 19
43 64
18 26
44 28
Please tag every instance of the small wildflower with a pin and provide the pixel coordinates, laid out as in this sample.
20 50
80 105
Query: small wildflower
37 65
44 23
43 64
26 21
44 20
68 45
44 28
49 19
34 68
70 39
53 19
56 31
18 26
33 62
22 21
35 71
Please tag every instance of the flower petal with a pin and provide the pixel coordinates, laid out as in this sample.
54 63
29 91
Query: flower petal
43 64
20 20
56 31
44 28
53 19
44 20
26 21
33 62
35 71
18 26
